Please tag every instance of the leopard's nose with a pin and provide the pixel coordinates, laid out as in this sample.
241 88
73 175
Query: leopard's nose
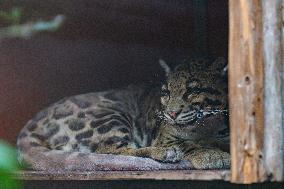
173 114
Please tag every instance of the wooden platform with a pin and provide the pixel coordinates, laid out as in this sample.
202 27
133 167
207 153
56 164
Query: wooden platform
127 175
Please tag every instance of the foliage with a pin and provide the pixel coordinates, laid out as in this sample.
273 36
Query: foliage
8 165
13 16
17 29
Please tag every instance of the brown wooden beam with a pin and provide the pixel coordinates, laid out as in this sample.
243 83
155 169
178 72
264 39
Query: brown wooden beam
246 91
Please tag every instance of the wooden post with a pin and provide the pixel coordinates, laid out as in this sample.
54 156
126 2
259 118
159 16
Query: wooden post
255 89
273 61
246 91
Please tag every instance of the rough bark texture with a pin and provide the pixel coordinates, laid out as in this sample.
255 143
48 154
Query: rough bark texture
273 61
246 91
282 78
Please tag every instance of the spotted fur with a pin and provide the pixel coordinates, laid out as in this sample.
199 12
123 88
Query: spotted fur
185 119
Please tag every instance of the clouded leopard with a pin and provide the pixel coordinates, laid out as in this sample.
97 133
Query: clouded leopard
185 118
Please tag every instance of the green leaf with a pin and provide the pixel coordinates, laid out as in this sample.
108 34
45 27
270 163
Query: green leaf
8 157
8 165
7 182
13 17
16 14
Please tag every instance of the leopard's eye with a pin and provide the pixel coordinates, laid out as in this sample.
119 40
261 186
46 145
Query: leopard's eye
165 92
186 95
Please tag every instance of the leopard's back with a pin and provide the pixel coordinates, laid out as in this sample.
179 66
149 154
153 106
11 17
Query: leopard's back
90 121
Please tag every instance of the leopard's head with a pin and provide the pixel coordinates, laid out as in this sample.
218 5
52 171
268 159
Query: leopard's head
192 91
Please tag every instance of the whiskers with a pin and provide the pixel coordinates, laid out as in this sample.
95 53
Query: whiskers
189 117
162 116
202 113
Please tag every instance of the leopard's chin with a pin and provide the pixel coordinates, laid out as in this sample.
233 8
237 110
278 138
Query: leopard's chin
170 121
187 123
181 123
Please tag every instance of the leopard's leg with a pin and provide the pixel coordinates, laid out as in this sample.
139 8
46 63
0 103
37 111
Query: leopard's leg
162 154
203 158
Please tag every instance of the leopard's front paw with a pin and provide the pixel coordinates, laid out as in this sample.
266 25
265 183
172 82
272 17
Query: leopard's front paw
209 159
168 155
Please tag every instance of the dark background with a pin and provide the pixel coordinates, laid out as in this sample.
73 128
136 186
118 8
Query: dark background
103 44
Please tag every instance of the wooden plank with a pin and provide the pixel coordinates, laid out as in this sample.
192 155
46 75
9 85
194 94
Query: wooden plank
246 91
273 61
126 175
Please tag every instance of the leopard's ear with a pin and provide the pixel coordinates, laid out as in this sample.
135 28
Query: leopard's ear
165 66
225 71
220 64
